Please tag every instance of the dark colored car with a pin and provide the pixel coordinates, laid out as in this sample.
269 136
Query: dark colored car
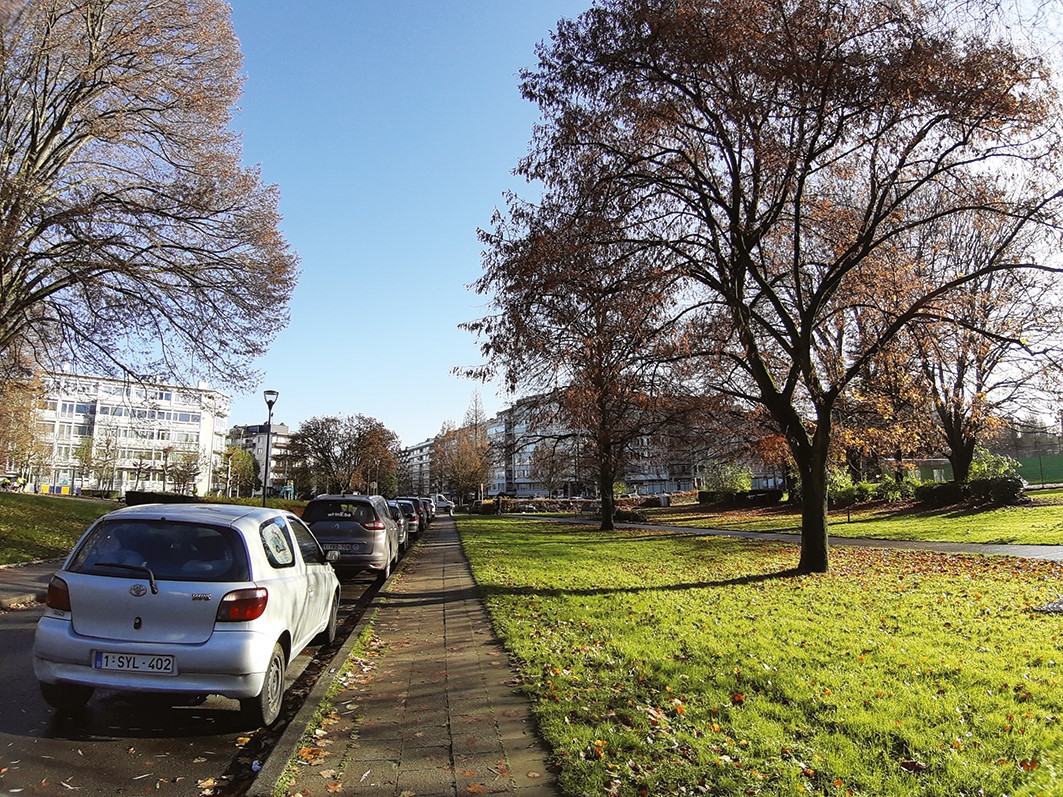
422 513
404 527
413 517
360 528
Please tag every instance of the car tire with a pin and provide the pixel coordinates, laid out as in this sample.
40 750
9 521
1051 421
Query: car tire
263 709
328 634
67 698
385 574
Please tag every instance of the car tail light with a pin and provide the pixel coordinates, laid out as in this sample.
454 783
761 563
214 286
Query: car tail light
58 595
242 605
374 525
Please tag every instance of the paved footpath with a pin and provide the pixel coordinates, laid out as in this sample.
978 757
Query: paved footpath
433 710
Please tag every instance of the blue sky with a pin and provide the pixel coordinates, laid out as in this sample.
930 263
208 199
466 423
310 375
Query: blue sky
392 129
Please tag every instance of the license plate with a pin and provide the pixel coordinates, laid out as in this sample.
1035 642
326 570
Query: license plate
129 662
341 546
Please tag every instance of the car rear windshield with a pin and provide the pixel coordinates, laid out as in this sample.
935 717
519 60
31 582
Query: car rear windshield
339 511
170 550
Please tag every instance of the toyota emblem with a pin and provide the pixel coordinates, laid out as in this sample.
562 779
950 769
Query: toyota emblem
138 590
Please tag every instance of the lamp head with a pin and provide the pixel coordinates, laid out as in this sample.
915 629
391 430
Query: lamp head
271 397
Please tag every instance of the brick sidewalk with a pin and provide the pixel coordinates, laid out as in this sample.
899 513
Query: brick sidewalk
434 709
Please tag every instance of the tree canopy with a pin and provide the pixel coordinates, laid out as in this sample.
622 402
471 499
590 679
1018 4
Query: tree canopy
131 237
777 157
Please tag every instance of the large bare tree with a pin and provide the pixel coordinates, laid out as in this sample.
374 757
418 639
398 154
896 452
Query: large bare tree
131 237
778 151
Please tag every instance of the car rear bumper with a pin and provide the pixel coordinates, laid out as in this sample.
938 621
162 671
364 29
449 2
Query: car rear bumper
230 663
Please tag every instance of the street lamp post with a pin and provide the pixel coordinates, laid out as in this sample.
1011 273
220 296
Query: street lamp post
271 398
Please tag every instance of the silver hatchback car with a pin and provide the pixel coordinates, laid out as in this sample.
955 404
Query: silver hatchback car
186 598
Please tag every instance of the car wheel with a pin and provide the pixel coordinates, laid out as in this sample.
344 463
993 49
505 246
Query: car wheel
328 634
385 574
264 709
68 698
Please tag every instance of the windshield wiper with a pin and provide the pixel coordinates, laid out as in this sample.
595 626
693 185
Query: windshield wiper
135 569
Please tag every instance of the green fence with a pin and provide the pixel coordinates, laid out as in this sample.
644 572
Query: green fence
1042 469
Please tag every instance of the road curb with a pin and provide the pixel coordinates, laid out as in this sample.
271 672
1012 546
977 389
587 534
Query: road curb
29 593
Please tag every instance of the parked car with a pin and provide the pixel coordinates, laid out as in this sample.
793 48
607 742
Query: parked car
413 517
400 518
422 513
186 598
431 506
360 527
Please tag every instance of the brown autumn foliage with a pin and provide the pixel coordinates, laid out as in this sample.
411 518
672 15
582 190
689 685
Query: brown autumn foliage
131 237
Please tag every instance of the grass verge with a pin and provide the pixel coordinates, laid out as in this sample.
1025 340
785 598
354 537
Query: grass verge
43 526
669 664
1038 523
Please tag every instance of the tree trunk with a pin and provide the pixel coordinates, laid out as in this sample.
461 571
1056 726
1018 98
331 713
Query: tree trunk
961 442
961 455
814 547
605 488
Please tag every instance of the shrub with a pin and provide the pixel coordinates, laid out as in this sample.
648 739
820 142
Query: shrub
892 490
629 516
940 493
986 465
1000 490
724 477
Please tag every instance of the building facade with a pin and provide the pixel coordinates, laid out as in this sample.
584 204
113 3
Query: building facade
415 469
253 438
119 434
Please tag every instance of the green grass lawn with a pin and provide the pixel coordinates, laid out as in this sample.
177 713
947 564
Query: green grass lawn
42 526
670 664
1040 522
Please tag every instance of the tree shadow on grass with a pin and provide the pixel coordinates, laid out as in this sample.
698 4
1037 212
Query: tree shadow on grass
555 592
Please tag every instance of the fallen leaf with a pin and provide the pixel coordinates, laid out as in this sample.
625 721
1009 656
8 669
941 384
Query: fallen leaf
334 788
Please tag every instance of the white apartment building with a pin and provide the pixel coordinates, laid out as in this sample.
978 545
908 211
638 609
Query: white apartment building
415 469
253 438
119 434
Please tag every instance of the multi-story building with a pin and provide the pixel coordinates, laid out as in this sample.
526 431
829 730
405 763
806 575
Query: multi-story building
253 438
120 434
415 469
534 454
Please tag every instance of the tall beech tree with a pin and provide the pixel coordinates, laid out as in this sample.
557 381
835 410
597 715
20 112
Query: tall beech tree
778 152
131 238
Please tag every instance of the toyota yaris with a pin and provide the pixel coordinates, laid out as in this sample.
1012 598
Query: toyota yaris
186 598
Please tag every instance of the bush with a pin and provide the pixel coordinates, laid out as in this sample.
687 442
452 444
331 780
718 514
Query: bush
1000 490
988 466
759 497
723 477
892 490
629 516
940 493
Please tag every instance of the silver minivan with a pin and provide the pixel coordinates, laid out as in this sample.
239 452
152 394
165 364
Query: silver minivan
360 528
